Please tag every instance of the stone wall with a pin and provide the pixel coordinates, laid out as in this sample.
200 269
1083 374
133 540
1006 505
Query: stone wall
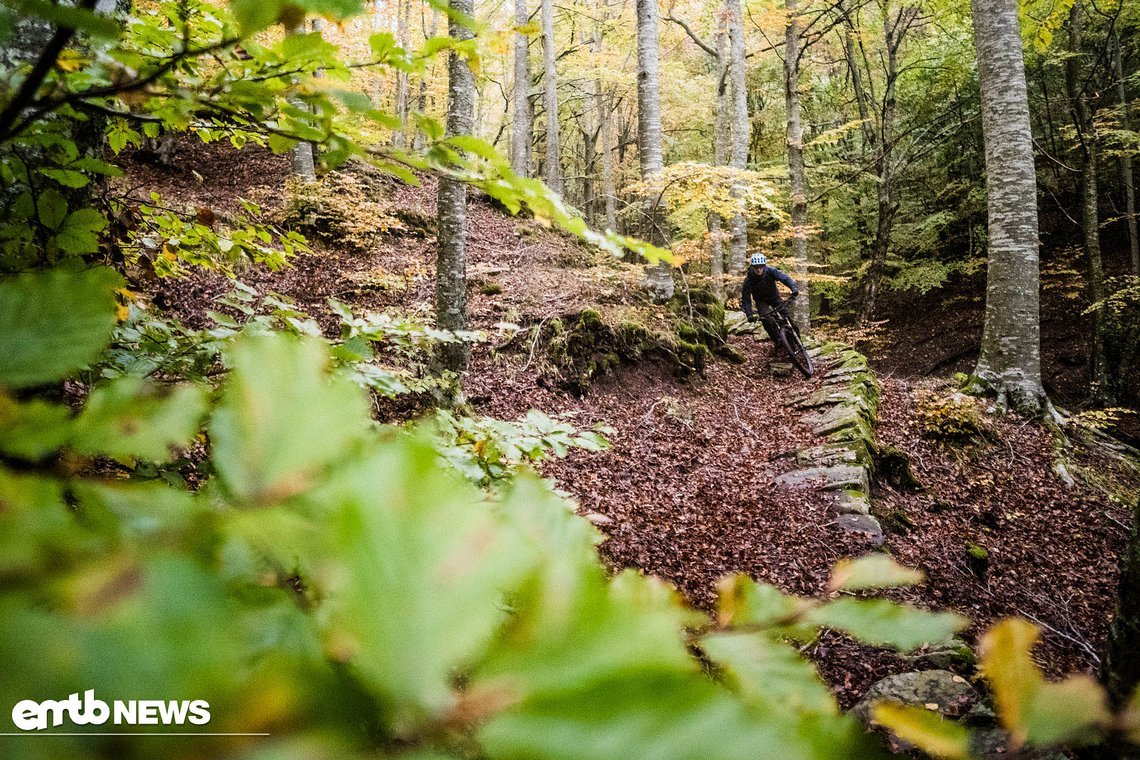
841 412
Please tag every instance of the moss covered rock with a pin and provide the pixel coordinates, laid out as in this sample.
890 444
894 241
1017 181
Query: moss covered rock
579 348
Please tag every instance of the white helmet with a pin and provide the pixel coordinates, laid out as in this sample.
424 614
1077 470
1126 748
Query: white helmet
759 259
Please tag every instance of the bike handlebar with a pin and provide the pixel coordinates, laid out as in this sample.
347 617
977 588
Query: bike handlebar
783 305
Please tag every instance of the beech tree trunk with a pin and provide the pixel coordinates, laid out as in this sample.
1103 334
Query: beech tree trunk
451 238
741 125
658 277
400 136
1126 177
553 167
609 191
1077 85
377 20
797 180
1010 359
523 118
301 157
722 139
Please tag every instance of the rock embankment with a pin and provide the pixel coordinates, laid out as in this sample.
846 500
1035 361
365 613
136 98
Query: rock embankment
841 413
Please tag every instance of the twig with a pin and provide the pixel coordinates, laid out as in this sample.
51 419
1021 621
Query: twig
1088 648
534 345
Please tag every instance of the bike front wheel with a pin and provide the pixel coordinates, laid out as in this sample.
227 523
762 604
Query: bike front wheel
797 354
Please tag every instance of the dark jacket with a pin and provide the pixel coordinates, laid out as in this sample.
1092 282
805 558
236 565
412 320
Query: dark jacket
762 289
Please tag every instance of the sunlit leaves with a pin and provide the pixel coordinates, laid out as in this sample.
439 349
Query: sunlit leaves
691 191
925 729
878 621
1032 709
171 242
744 602
486 450
53 323
254 15
772 673
871 571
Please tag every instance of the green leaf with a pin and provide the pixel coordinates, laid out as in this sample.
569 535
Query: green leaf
354 101
80 232
128 419
140 509
1031 709
66 177
413 602
743 601
399 172
280 144
871 571
53 323
884 623
280 385
52 208
98 166
771 673
925 729
33 429
1130 718
475 146
35 529
255 15
665 716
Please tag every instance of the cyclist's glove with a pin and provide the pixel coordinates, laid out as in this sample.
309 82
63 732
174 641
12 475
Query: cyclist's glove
795 294
754 318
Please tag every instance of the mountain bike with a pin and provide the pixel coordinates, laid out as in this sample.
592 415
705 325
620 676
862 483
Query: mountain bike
788 338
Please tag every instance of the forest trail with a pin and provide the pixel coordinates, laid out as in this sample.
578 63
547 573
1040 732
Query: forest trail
687 490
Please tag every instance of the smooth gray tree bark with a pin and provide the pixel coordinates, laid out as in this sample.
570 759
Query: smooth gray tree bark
376 17
553 166
301 158
741 125
451 238
1010 359
522 123
722 143
400 136
609 183
797 178
658 277
604 108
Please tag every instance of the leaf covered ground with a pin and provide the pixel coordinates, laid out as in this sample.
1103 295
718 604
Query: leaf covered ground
686 491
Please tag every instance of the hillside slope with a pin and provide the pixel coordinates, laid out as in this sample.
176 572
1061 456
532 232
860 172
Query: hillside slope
687 492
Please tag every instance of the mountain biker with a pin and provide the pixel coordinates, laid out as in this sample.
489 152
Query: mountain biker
760 286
